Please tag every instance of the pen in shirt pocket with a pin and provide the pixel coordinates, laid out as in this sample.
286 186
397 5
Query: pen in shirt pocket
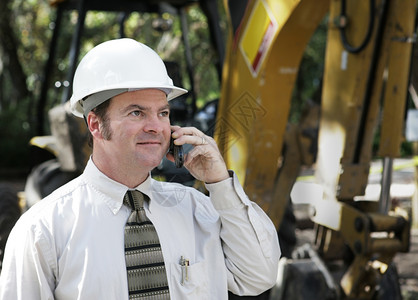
184 264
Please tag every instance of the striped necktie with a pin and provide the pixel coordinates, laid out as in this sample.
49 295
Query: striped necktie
147 278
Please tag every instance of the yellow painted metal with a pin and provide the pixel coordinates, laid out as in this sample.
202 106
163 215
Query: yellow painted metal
373 238
297 153
289 171
359 282
260 69
399 37
343 99
352 87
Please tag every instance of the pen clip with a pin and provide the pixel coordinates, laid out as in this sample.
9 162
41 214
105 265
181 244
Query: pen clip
184 263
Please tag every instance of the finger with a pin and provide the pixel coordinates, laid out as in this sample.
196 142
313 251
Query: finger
192 131
193 140
174 128
190 156
190 135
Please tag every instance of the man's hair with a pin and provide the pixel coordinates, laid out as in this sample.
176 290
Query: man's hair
101 112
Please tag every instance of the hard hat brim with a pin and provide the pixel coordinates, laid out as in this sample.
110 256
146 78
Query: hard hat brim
83 106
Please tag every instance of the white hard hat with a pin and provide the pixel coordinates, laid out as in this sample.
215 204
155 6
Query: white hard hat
115 67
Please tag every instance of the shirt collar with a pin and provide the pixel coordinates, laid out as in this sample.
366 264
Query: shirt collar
111 190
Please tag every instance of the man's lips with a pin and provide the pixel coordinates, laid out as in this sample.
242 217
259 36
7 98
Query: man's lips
149 143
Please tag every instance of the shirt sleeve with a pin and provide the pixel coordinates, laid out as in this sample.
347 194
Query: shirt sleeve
249 239
26 270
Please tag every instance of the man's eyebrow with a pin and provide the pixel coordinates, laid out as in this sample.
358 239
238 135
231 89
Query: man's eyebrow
143 108
167 106
133 107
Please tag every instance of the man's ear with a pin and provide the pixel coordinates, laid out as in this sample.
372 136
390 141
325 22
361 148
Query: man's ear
93 123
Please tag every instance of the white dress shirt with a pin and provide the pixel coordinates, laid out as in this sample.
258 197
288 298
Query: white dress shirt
71 244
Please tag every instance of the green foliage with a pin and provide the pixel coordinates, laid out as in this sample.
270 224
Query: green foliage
32 19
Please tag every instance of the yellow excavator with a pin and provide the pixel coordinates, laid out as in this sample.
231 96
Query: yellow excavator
364 92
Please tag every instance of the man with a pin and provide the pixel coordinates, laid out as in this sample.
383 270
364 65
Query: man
71 245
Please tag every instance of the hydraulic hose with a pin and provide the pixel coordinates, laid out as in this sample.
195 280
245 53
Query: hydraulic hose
343 24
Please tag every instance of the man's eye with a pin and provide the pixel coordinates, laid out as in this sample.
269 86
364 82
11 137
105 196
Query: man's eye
165 113
135 113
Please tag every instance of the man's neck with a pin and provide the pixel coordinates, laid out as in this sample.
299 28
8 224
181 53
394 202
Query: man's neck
130 177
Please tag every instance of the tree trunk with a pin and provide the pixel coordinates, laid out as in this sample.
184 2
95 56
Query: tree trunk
9 47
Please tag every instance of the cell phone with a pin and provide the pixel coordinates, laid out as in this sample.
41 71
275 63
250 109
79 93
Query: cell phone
177 152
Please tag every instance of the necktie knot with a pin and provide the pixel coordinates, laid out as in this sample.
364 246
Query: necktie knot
135 200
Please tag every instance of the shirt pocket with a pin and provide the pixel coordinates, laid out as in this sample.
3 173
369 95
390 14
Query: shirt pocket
195 286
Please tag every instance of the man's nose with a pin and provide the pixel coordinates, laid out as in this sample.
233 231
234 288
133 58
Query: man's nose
154 124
